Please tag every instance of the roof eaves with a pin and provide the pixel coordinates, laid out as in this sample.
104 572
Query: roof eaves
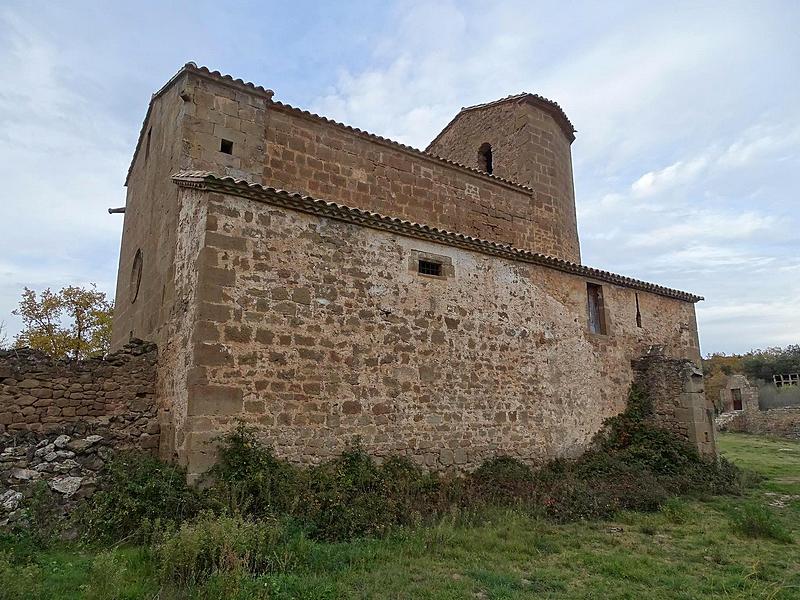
243 188
550 105
191 67
268 95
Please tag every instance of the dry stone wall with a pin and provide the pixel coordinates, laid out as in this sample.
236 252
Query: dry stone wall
60 420
780 422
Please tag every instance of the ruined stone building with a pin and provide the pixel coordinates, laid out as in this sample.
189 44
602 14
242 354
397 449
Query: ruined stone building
323 283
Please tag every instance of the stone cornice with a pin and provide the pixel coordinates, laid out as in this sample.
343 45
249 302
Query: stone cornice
205 180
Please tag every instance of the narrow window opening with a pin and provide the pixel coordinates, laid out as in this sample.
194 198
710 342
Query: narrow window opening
638 313
736 397
427 267
147 144
485 158
136 275
597 319
226 146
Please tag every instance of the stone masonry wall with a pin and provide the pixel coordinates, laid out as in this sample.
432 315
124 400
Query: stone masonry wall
60 420
675 386
286 148
748 391
529 147
144 305
113 397
320 331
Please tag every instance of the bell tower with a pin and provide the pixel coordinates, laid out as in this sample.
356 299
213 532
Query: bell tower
526 139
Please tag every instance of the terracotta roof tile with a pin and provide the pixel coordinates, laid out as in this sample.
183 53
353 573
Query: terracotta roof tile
268 94
300 202
553 107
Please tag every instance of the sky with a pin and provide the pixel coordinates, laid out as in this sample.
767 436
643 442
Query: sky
686 161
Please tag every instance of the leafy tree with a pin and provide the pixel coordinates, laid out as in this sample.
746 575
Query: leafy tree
74 322
763 364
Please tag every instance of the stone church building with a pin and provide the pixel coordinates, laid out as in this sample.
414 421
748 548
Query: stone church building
323 283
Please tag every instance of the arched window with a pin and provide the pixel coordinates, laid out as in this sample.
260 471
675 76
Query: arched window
485 157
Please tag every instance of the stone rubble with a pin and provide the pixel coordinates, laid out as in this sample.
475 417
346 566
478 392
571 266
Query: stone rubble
70 474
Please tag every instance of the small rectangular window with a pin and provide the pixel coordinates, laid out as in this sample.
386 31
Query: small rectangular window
226 146
427 267
597 318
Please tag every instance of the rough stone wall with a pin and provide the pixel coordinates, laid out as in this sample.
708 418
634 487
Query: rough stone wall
113 396
529 147
320 331
675 386
284 148
61 420
781 422
748 391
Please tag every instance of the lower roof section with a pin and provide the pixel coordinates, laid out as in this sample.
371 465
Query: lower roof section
206 180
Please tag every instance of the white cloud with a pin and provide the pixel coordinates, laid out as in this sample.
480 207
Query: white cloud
686 159
678 173
703 225
61 160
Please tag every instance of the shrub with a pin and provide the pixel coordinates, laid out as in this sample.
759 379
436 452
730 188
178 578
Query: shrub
212 545
632 465
503 480
757 521
346 497
137 490
43 514
249 479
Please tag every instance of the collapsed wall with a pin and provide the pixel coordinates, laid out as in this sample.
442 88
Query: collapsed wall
60 420
675 387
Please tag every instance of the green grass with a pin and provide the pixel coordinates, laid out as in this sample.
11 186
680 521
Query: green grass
690 549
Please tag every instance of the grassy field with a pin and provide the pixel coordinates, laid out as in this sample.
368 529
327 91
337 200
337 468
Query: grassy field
690 549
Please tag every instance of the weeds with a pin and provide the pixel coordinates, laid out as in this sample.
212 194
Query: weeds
18 580
755 520
211 545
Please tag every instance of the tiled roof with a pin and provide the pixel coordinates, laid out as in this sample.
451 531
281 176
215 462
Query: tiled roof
255 89
545 103
245 189
205 71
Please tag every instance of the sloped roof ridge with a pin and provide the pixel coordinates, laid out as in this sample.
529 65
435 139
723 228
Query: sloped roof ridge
561 117
522 96
268 94
226 183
